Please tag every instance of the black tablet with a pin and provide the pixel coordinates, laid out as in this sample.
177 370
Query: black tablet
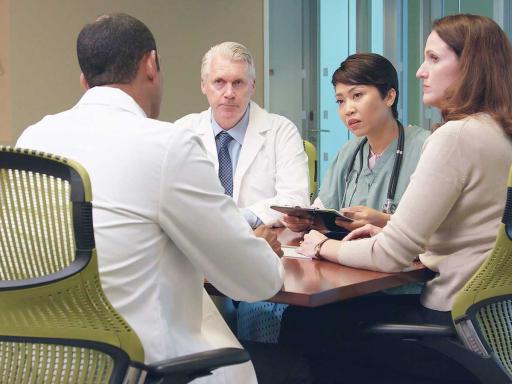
328 216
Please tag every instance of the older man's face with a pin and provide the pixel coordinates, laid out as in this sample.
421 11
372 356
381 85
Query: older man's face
228 88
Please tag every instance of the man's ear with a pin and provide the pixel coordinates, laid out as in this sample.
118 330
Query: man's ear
203 86
253 86
150 62
390 97
83 82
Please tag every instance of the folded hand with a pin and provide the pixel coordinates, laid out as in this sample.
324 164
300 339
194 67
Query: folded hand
268 234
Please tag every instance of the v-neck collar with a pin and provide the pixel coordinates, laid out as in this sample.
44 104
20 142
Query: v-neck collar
388 153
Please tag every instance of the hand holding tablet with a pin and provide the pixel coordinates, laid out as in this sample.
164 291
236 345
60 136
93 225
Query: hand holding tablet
327 216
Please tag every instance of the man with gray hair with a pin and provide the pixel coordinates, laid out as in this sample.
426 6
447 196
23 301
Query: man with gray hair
259 156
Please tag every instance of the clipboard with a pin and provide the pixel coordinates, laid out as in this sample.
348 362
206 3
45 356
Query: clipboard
328 216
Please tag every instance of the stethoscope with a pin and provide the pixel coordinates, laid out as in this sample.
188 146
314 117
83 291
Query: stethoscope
389 206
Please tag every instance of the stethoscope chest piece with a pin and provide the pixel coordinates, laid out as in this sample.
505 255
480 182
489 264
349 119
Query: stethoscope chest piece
389 206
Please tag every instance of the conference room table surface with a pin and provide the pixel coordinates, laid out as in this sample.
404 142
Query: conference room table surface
312 283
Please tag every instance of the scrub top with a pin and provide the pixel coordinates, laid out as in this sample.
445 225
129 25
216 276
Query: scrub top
261 321
372 187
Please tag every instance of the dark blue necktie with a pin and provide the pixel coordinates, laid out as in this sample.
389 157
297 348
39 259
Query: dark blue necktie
225 167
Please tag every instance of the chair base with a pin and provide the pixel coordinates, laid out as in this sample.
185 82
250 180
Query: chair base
443 339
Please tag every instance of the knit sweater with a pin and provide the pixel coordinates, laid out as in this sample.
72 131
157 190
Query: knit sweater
450 212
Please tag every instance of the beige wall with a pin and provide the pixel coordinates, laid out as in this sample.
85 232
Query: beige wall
5 104
41 50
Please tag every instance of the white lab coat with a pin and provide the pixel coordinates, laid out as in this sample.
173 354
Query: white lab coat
272 167
162 224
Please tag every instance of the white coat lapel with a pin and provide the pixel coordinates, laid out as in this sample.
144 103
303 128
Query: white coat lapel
253 141
205 131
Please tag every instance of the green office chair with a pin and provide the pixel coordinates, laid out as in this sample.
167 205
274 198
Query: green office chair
481 312
312 164
56 324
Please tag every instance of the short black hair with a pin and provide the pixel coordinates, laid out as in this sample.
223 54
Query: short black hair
110 48
369 69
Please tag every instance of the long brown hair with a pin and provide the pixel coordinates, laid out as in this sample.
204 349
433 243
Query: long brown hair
485 58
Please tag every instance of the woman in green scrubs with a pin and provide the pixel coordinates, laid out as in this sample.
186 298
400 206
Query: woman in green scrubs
366 87
358 180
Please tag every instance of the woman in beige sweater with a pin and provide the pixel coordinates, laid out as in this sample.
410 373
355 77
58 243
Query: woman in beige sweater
449 214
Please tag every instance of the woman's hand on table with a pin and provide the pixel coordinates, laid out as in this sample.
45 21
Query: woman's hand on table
367 230
308 246
362 215
316 244
329 247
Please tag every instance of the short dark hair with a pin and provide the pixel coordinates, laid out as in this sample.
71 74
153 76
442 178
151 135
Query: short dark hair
369 69
110 48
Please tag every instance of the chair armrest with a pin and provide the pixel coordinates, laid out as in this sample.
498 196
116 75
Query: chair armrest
198 364
411 330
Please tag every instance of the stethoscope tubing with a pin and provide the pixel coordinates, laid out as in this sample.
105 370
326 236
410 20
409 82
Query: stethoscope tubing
399 153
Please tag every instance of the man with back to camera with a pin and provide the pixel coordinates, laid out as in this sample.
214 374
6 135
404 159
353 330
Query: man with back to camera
259 156
152 184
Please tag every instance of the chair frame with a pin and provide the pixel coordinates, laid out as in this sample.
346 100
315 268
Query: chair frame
311 153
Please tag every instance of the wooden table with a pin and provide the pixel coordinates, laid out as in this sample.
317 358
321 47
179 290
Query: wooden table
312 283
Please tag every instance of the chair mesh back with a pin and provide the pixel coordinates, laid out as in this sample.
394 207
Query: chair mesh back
495 275
495 324
56 324
49 363
35 220
486 300
76 307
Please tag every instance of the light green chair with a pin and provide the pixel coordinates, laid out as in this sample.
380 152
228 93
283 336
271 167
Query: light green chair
56 324
310 150
481 312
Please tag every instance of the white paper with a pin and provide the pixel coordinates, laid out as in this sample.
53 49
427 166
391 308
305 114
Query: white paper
291 251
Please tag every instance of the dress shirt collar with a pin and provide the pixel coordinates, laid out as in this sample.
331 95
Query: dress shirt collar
238 131
105 95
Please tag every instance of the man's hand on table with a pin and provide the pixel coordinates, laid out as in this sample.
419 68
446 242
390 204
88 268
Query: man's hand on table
270 236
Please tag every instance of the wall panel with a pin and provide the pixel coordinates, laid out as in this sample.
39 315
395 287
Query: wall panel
43 58
5 91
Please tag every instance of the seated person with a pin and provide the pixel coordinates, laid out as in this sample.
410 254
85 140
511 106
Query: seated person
152 186
259 156
449 214
263 161
366 86
367 171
